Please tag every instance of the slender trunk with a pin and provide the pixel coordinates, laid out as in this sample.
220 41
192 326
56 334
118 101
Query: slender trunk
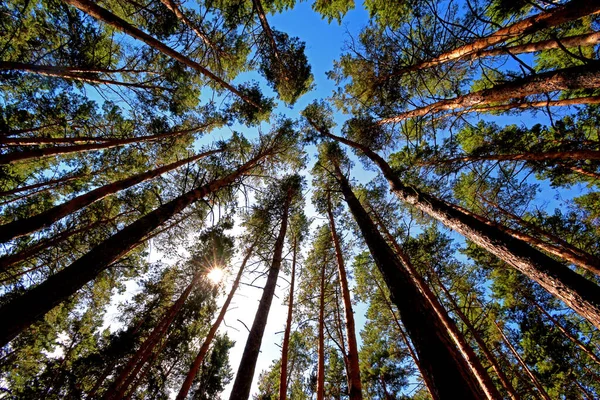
36 141
354 383
120 24
581 155
480 343
16 156
581 171
445 369
532 104
403 335
170 4
521 362
472 361
29 307
586 39
321 344
288 328
245 374
571 11
574 290
195 367
267 30
586 349
129 372
40 221
581 77
64 73
127 394
564 250
51 182
107 370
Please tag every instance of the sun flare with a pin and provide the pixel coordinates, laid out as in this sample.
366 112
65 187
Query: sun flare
216 275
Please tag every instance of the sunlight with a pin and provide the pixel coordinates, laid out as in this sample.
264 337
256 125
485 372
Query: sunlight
216 275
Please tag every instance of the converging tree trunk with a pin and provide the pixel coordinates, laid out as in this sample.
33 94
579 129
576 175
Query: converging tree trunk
195 367
120 24
283 376
354 383
446 372
580 294
321 337
32 224
580 77
245 374
22 311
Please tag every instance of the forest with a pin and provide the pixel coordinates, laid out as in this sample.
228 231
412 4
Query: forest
300 199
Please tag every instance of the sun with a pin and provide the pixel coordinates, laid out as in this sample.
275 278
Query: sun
216 275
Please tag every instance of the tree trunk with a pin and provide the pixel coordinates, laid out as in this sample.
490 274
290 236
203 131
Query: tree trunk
580 294
581 155
580 77
564 249
586 39
288 328
321 343
533 104
472 361
444 366
16 156
267 30
120 24
571 11
354 383
480 342
195 367
528 371
128 373
245 374
46 218
64 73
26 309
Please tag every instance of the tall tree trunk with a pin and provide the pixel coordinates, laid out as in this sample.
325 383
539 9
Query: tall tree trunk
445 369
564 250
480 342
570 11
267 31
120 24
532 104
195 367
521 362
245 374
463 346
581 155
29 307
321 338
585 39
64 73
288 328
121 383
46 218
580 294
581 77
354 383
405 339
16 156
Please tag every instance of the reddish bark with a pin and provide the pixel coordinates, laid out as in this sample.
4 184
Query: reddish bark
581 77
354 383
321 338
283 376
538 156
